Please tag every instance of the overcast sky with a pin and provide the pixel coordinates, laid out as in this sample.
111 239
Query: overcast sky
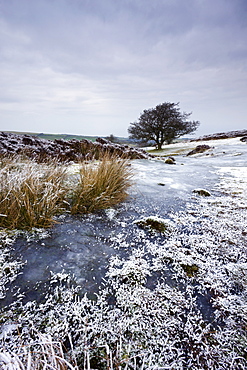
91 67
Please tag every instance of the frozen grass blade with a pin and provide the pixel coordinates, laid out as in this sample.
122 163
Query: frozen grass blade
45 354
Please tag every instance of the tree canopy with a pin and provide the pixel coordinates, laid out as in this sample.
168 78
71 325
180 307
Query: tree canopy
162 124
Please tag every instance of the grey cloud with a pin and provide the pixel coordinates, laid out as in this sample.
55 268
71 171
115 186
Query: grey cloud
94 34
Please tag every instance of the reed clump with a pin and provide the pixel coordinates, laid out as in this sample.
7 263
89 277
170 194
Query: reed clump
102 185
31 194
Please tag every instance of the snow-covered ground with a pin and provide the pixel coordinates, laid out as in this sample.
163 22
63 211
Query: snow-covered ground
168 300
183 147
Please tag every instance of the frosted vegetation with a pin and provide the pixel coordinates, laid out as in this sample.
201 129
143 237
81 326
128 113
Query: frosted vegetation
158 282
31 194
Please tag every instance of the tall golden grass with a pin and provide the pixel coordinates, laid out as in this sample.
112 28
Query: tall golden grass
31 194
101 186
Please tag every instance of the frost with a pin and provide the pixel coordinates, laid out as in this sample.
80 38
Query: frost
111 213
132 271
176 300
9 269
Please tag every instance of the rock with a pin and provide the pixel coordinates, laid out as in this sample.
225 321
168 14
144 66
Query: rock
199 149
170 160
202 192
244 139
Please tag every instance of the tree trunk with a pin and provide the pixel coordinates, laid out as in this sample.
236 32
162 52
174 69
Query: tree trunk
159 146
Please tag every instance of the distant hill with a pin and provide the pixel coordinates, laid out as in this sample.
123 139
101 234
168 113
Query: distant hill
121 140
223 135
65 137
55 136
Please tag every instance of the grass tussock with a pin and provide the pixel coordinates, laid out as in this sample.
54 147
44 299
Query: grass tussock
101 186
30 193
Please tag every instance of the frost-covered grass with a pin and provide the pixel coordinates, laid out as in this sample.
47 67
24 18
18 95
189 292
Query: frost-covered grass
176 300
31 194
41 354
101 186
8 268
144 329
161 326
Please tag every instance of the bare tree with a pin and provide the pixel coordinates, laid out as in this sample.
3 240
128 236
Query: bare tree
162 124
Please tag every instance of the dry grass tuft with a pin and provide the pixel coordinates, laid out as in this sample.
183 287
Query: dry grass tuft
101 186
30 193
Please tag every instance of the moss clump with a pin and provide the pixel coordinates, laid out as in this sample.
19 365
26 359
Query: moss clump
153 224
202 192
190 270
